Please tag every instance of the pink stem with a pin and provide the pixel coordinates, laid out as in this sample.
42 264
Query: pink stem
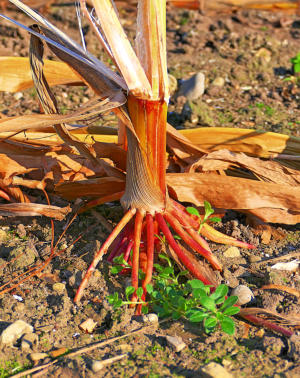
190 230
191 242
136 252
150 250
128 249
267 324
180 253
184 214
126 218
120 246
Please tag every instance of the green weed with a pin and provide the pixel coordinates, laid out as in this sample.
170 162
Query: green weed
296 63
192 300
12 367
208 211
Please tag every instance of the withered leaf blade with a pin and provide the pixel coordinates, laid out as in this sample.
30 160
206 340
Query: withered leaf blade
96 188
262 199
40 121
252 142
16 77
179 145
269 171
34 209
229 5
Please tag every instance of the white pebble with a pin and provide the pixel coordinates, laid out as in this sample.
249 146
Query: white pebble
243 293
150 318
18 96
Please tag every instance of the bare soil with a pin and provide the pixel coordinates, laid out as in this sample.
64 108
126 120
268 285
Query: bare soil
251 51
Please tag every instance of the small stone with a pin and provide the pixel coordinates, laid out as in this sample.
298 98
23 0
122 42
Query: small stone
35 357
25 346
273 345
254 258
59 287
3 235
88 325
21 230
150 318
176 343
28 340
218 82
264 54
260 332
18 96
19 307
243 293
192 88
214 370
232 252
97 366
172 83
294 347
124 348
14 331
290 266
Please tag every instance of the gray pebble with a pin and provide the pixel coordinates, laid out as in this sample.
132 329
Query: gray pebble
192 88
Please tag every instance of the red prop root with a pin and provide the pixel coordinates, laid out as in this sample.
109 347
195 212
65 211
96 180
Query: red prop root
136 231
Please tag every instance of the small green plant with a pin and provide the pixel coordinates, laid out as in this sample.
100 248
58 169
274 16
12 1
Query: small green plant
9 368
296 63
265 108
208 211
192 300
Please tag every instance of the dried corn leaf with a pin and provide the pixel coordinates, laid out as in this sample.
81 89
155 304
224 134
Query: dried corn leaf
287 289
97 188
269 171
40 121
34 209
270 202
182 146
222 5
16 76
252 142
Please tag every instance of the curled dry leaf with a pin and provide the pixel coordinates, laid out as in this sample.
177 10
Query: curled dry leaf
290 6
287 289
269 171
268 201
252 142
34 209
16 76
